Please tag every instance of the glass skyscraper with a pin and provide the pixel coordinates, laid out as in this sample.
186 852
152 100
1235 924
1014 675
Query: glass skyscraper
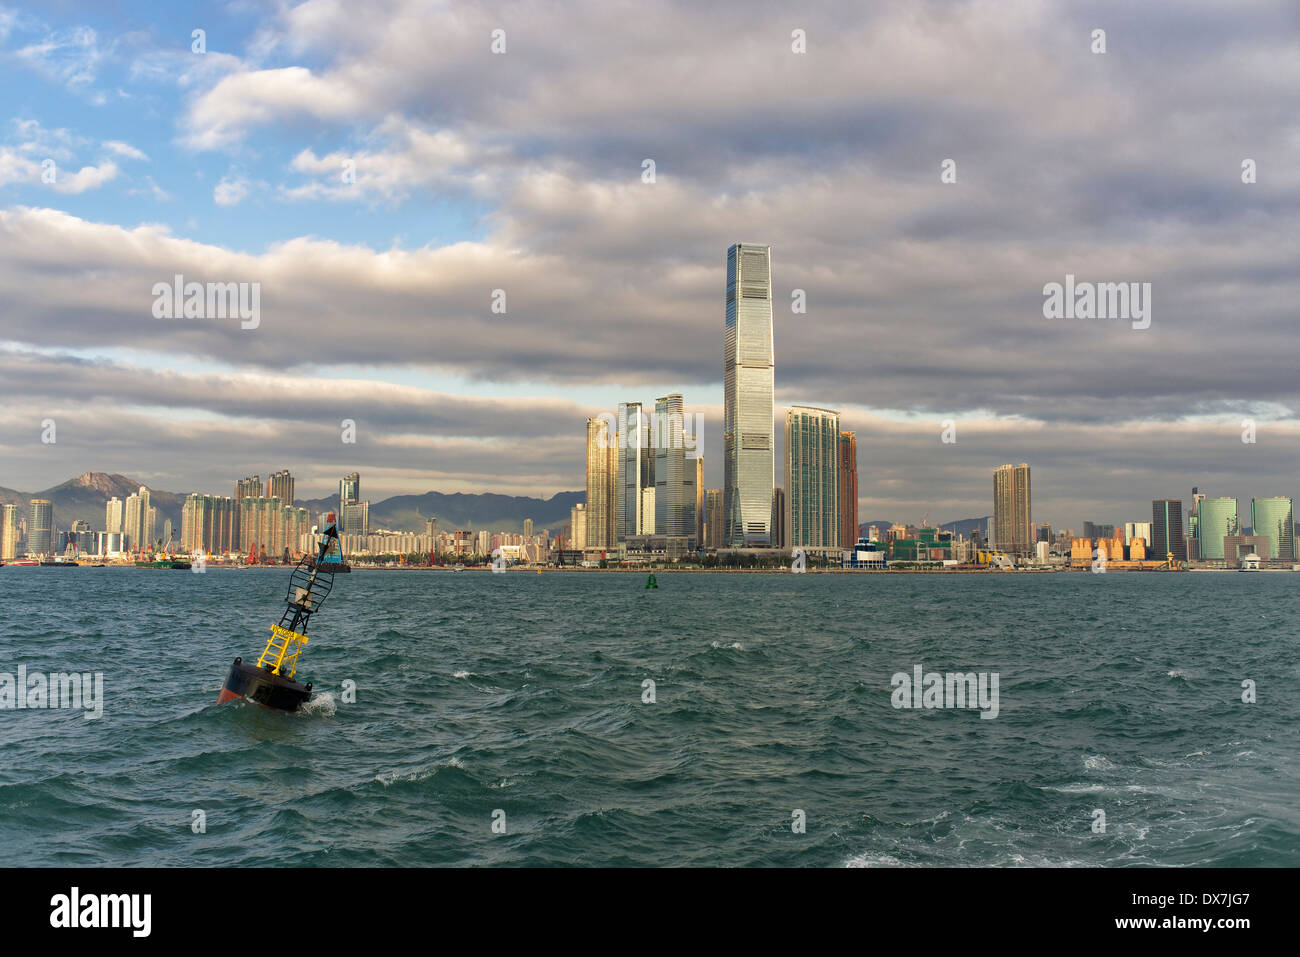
1216 518
635 466
1275 517
40 527
747 374
674 473
812 477
1167 529
601 439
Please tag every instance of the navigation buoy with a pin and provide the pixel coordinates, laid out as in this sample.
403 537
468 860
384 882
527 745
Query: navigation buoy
650 582
270 682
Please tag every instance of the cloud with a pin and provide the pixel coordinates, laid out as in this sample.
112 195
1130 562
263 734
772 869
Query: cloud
924 298
124 149
231 191
72 57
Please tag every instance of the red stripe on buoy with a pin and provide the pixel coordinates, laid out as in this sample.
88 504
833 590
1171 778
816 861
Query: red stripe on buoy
227 695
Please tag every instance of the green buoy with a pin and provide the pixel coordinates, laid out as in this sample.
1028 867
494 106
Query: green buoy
651 583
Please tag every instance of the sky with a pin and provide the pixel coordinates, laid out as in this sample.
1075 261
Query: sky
922 170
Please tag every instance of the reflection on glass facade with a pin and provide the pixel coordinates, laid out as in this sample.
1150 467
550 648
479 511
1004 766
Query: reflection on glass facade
747 384
1275 518
1217 517
1167 529
674 473
635 472
812 477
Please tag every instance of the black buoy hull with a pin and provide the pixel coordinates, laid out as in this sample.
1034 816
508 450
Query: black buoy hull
259 685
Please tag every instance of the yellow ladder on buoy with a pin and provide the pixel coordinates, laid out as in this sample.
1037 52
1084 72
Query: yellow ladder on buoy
282 650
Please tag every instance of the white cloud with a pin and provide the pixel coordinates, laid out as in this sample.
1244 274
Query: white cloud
231 191
124 149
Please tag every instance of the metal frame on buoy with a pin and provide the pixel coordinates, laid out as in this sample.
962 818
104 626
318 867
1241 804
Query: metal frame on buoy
271 681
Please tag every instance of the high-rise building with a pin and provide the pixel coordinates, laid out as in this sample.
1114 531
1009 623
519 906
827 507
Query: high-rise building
356 518
1217 518
528 530
778 517
1193 524
578 527
137 521
1167 530
699 497
714 522
280 485
1012 525
747 375
40 526
674 473
113 515
1275 517
8 532
249 487
1140 530
1045 532
848 489
208 524
1097 530
812 477
635 471
601 485
349 492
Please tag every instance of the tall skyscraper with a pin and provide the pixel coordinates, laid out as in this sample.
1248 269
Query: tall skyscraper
1167 530
208 524
1275 517
1193 524
778 517
113 515
635 472
699 498
8 532
578 527
137 521
747 375
1217 518
1012 524
250 487
528 530
349 491
674 473
848 489
40 526
713 521
601 485
812 477
280 485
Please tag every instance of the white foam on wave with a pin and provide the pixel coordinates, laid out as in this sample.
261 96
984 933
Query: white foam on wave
321 705
1098 762
392 777
873 860
461 674
734 646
